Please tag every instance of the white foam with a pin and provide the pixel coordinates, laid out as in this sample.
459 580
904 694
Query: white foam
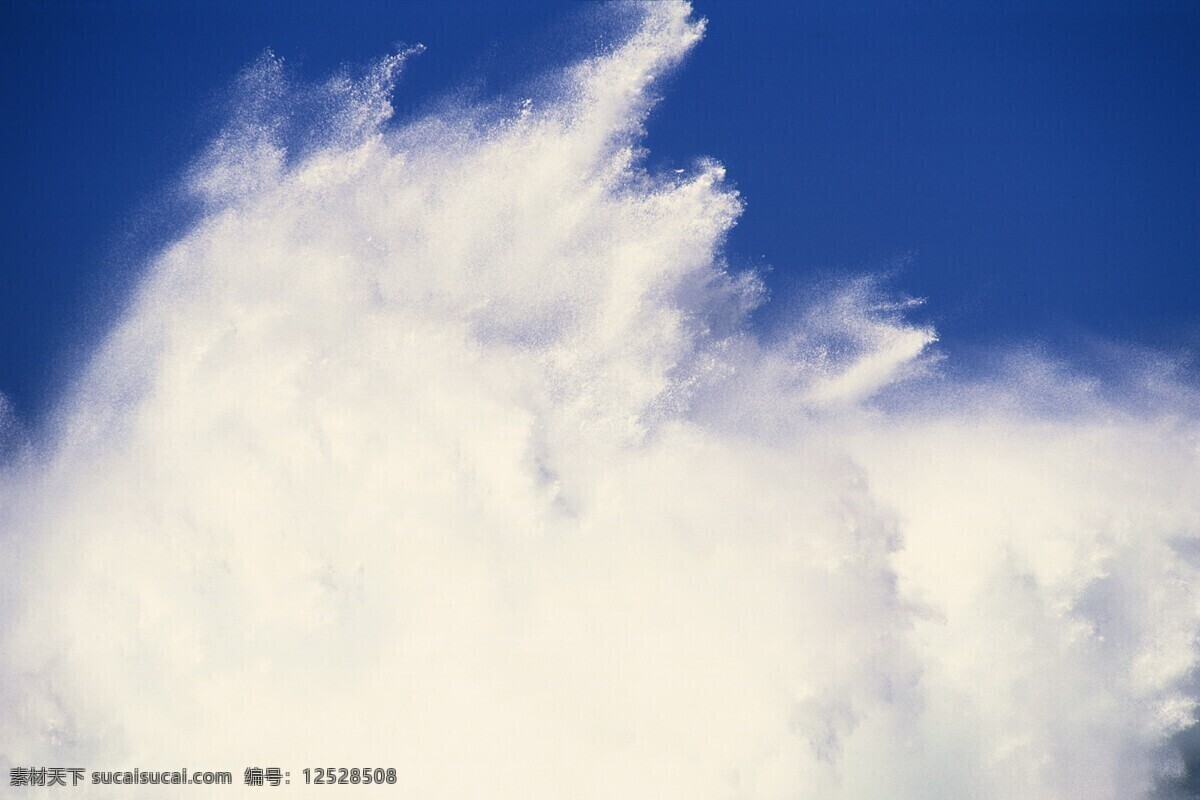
448 447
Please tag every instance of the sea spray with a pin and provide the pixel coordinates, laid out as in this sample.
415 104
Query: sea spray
449 447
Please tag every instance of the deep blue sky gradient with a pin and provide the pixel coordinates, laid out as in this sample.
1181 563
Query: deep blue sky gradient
1029 167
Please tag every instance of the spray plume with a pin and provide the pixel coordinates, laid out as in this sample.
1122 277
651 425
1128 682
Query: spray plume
449 446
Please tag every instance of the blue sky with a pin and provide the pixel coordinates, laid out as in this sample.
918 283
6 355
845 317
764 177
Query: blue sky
1031 170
